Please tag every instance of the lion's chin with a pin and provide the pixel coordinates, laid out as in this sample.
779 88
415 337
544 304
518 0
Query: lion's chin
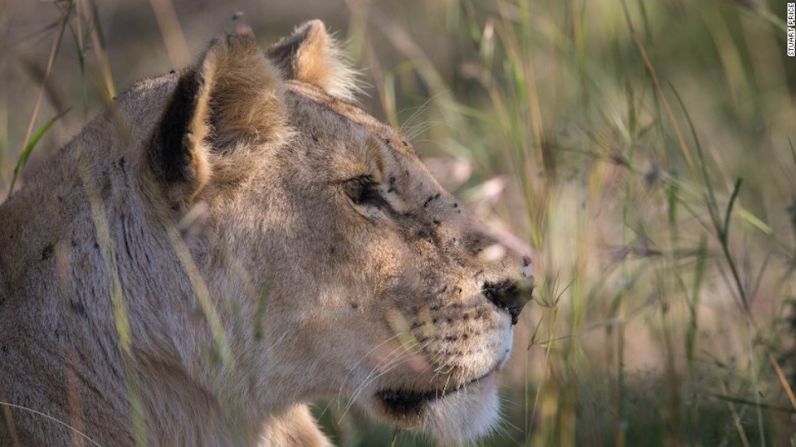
452 417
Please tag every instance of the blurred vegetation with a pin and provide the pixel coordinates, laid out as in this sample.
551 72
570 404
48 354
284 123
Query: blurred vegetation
644 151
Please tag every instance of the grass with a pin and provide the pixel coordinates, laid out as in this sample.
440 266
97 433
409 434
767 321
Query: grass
642 150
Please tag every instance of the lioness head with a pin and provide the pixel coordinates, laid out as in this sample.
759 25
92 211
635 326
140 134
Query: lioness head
337 264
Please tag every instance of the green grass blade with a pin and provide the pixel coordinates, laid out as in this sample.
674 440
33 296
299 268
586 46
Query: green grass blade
28 149
726 228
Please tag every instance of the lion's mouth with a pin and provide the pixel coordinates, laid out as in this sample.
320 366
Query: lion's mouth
404 402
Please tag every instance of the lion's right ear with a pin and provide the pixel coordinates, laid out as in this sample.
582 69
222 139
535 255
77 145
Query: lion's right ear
232 98
311 55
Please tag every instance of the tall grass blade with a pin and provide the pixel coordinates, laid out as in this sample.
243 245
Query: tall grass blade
28 149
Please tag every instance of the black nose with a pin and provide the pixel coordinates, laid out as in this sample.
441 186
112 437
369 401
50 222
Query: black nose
509 296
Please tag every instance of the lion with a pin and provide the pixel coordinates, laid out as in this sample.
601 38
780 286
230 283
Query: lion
228 243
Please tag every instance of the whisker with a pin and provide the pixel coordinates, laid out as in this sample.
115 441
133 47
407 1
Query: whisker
52 419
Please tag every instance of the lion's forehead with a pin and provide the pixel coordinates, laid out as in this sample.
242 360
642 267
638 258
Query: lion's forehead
352 114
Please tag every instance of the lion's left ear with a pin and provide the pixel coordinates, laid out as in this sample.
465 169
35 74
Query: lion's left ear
311 55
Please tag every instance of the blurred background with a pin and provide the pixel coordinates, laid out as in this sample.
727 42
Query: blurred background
643 151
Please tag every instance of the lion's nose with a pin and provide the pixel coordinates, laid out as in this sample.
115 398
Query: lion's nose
508 295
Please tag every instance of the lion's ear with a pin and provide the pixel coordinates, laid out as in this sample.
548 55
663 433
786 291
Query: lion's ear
311 55
233 96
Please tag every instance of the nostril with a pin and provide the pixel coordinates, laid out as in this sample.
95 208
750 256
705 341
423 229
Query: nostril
508 296
527 269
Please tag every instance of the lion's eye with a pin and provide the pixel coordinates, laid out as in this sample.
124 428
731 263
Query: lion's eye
363 190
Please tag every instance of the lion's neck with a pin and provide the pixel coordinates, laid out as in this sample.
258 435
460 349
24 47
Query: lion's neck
88 253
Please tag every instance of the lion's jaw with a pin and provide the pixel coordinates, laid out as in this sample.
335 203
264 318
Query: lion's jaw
427 364
400 383
465 415
452 412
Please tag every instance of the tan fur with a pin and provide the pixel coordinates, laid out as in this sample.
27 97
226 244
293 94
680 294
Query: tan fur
246 94
293 427
317 60
202 290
